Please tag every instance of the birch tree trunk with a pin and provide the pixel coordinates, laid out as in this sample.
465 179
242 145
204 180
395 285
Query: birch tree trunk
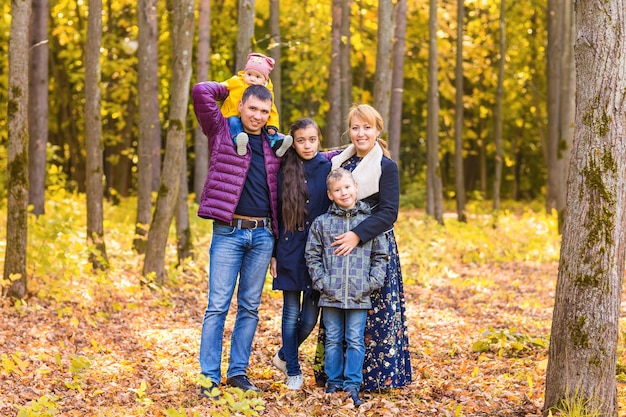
583 343
182 46
17 152
94 179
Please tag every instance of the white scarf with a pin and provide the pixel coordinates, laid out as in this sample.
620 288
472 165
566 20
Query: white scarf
367 172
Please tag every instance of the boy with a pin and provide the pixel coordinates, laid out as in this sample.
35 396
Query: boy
344 282
256 72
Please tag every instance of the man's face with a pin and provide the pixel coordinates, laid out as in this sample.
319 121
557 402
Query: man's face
254 114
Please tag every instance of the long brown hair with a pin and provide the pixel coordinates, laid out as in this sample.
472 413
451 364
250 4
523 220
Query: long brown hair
370 115
294 194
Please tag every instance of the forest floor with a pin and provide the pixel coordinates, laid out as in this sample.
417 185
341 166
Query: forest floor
106 345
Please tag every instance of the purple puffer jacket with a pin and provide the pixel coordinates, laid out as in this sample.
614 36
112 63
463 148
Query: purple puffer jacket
227 170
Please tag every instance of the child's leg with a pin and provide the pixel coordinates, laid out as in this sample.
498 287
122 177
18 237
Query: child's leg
335 331
279 143
355 349
238 135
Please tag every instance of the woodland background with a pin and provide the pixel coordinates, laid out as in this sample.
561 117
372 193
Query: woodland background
486 114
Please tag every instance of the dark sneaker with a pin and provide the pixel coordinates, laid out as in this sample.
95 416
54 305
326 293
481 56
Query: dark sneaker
206 391
242 381
331 389
354 394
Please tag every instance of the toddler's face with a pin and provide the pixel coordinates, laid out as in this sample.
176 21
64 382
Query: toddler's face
253 77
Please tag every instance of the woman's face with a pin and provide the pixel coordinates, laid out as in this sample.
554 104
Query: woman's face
363 136
306 142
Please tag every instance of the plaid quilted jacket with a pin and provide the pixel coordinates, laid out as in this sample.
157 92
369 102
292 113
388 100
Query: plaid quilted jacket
345 282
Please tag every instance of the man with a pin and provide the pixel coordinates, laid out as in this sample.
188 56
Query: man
240 195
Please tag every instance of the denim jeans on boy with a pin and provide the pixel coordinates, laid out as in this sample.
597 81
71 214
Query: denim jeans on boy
348 325
234 252
297 323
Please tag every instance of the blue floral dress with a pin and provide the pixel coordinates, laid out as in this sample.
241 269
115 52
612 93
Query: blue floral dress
387 361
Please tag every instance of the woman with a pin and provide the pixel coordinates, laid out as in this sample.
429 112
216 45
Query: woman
387 363
301 198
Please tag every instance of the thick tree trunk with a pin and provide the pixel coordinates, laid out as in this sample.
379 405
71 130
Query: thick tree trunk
555 45
149 122
17 152
38 106
585 323
94 184
203 65
182 39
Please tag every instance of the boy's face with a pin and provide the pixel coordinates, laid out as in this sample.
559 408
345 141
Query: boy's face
253 77
343 192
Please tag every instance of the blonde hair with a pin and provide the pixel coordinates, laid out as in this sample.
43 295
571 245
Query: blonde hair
370 115
337 174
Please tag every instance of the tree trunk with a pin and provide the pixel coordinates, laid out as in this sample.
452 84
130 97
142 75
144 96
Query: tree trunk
555 42
585 323
384 46
149 122
397 81
203 65
182 46
94 185
38 106
434 196
17 152
345 52
275 51
333 117
497 129
245 24
567 107
459 173
184 245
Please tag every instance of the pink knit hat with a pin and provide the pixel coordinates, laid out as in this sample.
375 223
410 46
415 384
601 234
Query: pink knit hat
261 63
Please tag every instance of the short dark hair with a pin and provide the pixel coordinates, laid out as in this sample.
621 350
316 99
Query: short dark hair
259 91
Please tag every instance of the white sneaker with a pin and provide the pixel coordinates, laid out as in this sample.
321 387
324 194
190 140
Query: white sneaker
295 382
280 364
287 142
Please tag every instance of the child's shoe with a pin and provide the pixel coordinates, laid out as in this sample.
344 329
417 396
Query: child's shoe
295 382
354 394
282 144
241 140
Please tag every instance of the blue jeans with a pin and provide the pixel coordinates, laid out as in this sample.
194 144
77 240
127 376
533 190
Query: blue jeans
344 326
298 323
243 253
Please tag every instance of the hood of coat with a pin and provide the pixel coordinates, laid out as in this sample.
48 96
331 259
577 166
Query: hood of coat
361 207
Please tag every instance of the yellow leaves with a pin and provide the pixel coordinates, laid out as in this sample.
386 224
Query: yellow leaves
13 363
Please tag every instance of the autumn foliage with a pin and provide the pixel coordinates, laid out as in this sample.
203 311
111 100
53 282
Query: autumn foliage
88 343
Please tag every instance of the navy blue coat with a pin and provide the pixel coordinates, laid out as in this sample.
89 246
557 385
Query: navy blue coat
291 270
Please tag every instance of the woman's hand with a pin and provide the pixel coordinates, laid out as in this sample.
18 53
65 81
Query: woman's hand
344 243
273 267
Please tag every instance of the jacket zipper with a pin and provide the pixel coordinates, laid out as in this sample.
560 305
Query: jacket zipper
347 266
